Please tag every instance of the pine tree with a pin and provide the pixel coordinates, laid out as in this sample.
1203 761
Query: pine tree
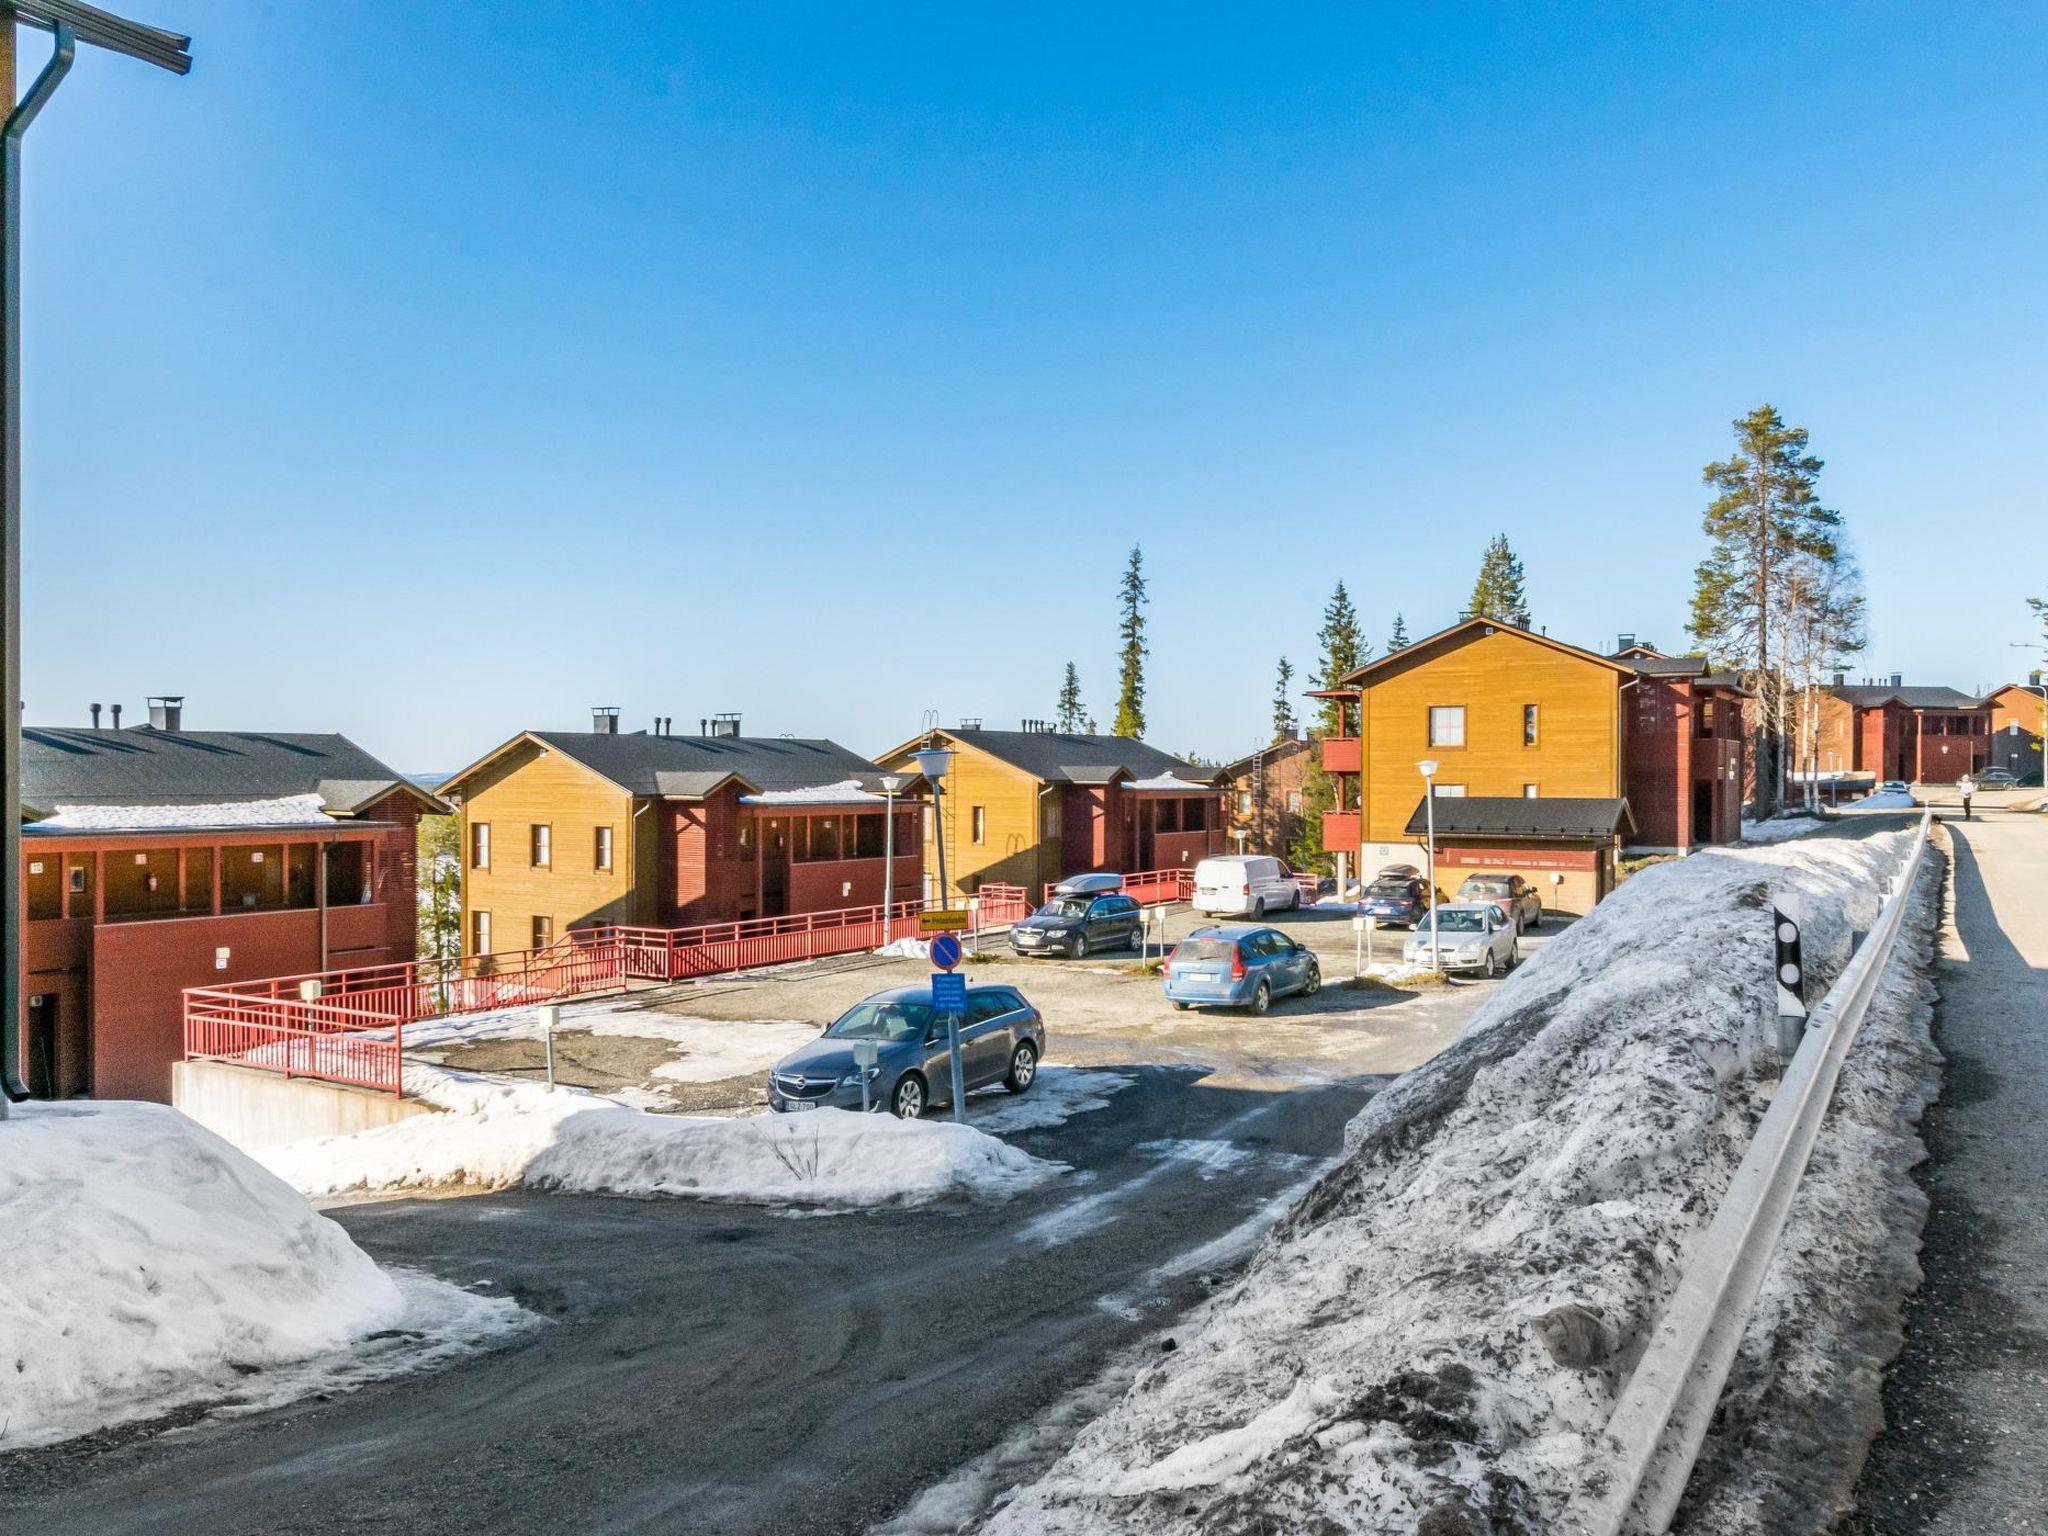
1776 568
1343 651
1498 594
1398 640
1284 723
1130 694
1070 716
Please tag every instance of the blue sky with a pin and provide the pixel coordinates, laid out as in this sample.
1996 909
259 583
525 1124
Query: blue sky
431 371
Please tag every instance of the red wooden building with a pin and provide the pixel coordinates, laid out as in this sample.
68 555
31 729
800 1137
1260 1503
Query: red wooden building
1684 751
1923 735
157 858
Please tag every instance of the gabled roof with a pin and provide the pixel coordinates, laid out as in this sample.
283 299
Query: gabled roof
144 766
1666 666
1058 757
690 767
1465 629
1875 695
1284 748
1557 818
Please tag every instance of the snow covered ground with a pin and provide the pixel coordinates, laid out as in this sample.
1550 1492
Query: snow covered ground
1779 828
149 1265
497 1134
706 1050
1437 1332
1884 800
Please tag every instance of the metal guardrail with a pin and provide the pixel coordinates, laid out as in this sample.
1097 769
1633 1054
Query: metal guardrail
1655 1432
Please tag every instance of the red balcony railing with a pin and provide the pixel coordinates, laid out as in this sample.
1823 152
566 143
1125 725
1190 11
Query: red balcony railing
1341 831
1340 754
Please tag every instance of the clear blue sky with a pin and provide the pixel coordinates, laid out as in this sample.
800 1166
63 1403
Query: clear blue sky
429 371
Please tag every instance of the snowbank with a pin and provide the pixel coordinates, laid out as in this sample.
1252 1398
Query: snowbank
495 1135
1778 828
1431 1339
707 1050
1884 800
150 1265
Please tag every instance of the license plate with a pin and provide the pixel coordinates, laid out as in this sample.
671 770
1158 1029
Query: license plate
796 1104
1201 975
1029 938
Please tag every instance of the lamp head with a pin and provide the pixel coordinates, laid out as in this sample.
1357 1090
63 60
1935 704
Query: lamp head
1428 767
892 783
933 762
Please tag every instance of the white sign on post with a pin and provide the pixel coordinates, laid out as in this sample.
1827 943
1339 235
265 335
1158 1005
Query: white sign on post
865 1054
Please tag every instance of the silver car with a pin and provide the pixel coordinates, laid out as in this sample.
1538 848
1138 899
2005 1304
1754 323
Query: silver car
1468 935
1002 1040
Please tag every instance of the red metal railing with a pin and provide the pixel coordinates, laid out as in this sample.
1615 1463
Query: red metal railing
348 1026
1153 887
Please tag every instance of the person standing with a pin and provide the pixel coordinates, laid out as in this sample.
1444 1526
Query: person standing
1968 786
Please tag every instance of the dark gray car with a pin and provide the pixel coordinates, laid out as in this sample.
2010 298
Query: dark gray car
1078 925
1002 1040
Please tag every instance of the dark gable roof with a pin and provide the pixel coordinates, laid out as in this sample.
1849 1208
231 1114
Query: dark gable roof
1873 695
1059 758
1666 666
144 766
1513 816
1419 651
1286 747
693 765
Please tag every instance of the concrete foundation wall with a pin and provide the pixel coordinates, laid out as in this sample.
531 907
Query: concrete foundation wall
264 1109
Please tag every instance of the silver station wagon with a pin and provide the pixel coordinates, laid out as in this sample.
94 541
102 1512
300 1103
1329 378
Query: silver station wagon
1002 1040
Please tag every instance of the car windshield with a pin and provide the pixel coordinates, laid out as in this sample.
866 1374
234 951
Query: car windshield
882 1019
1453 921
1394 888
1204 949
1066 906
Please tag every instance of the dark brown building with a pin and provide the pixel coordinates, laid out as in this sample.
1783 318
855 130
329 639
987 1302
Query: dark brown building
1266 795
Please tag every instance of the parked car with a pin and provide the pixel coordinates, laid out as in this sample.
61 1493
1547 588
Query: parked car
1894 787
1468 935
1088 885
1396 900
1511 893
1077 925
1244 885
1236 965
1996 777
1002 1040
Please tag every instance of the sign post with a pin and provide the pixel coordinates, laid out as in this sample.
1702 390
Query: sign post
865 1055
949 997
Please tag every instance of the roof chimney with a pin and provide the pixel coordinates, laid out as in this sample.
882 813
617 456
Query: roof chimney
167 712
970 722
1898 679
725 725
1623 642
95 717
604 720
1841 678
116 709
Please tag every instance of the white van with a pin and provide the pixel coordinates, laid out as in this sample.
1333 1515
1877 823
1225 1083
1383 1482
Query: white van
1244 885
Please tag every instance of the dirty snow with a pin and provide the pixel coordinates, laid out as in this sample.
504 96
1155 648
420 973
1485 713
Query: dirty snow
1884 800
1778 828
706 1050
1381 1363
283 811
907 949
495 1135
150 1265
1059 1094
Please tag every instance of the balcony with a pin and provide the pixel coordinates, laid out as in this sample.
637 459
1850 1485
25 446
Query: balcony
1340 754
1341 831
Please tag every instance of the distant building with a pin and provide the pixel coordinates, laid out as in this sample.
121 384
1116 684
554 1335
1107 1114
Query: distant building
1923 735
1030 807
157 858
2016 727
565 829
1266 789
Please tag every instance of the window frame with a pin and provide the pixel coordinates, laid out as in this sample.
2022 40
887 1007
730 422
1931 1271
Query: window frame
1532 792
479 931
479 845
602 848
1438 742
1532 724
540 844
977 825
541 930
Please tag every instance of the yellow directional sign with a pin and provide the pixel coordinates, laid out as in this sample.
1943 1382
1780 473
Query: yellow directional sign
942 922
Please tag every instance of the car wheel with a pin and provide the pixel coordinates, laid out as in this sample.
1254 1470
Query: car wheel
1314 984
1178 1006
1138 940
1514 956
1023 1068
1080 946
1491 968
1259 910
1262 999
907 1102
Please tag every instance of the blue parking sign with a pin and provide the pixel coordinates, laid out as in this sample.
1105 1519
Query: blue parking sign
949 992
945 951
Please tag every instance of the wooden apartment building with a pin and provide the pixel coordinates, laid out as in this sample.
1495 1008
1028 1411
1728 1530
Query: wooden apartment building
2018 718
1922 735
565 829
1266 790
1032 806
157 858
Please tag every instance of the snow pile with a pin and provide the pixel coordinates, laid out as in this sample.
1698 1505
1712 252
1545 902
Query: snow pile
496 1134
844 792
907 949
707 1050
1059 1094
1778 828
1434 1337
284 811
1885 800
150 1265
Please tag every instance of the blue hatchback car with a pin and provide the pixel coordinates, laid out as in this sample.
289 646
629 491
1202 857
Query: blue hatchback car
1239 965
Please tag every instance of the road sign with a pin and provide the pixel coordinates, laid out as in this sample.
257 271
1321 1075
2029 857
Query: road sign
949 992
943 922
945 951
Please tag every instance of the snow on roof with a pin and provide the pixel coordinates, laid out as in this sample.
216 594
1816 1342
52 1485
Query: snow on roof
284 811
1168 781
845 792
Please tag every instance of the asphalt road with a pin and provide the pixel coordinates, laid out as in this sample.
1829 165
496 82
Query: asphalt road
1965 1449
725 1369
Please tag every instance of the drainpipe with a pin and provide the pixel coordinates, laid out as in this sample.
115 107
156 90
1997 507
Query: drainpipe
12 896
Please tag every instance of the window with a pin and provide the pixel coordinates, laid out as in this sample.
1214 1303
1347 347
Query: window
1244 801
867 837
1529 792
479 933
543 932
821 839
1194 815
604 848
78 880
1049 820
543 845
480 845
1294 802
978 819
1528 725
1447 725
1450 791
1167 817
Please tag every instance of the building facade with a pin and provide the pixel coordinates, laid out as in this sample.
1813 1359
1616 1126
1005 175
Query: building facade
564 830
1923 735
1030 807
157 859
2019 715
1267 790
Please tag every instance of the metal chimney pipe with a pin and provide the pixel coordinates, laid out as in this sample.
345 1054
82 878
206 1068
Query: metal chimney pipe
116 711
95 717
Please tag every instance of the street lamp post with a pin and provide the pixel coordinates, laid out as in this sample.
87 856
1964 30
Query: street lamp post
892 786
1428 767
933 762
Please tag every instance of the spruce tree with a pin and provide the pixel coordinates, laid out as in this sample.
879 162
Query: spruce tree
1498 594
1343 651
1284 723
1776 568
1398 640
1069 717
1130 694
